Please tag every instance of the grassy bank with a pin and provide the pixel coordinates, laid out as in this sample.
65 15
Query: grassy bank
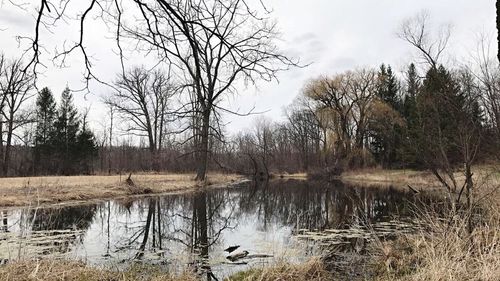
48 190
445 249
77 271
483 175
59 270
392 177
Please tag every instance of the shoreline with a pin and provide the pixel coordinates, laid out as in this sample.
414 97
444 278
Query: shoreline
396 178
420 180
71 190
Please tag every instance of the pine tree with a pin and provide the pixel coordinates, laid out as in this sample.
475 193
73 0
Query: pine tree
388 90
412 88
86 148
386 139
440 105
66 130
413 85
45 118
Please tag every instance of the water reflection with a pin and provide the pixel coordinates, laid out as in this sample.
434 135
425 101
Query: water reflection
192 229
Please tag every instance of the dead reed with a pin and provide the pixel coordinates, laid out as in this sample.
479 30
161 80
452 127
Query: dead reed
445 249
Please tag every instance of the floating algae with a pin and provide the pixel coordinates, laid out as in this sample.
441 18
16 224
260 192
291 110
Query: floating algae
329 237
53 243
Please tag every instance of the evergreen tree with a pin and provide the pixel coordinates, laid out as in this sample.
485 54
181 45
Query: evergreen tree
86 149
413 85
388 89
66 130
45 118
440 106
386 135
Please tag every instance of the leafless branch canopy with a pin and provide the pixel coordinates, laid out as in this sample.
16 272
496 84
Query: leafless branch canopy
416 32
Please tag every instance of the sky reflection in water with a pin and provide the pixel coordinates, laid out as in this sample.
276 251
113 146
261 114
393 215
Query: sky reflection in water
192 229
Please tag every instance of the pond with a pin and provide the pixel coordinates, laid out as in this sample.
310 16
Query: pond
281 220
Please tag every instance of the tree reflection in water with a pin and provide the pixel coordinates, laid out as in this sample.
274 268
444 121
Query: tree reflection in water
321 205
193 228
194 220
39 232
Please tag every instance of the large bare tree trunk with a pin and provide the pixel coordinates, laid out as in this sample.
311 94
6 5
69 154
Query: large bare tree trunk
498 28
1 144
202 147
8 146
110 147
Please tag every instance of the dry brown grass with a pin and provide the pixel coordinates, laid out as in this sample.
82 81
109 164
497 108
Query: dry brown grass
390 177
59 270
47 190
62 270
297 176
312 270
445 250
483 174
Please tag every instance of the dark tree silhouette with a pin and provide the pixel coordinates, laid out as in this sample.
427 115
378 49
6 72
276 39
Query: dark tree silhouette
16 88
46 113
498 29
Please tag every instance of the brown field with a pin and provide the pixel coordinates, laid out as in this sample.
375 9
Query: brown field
48 190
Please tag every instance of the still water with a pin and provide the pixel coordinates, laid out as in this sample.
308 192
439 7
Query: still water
288 220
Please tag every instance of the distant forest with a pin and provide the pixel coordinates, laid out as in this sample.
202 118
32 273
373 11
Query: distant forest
354 119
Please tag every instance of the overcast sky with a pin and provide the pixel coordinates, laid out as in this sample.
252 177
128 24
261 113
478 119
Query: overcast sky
332 35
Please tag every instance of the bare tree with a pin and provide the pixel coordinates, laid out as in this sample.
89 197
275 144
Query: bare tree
333 94
305 133
16 88
416 32
488 75
2 105
498 29
211 44
143 100
347 97
110 143
216 43
322 117
264 140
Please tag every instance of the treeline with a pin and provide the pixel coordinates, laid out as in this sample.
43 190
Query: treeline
366 117
433 117
360 118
